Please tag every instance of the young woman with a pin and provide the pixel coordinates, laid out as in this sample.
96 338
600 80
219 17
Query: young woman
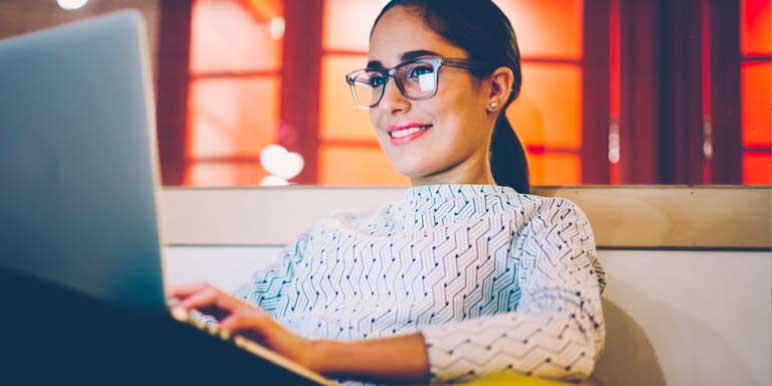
468 275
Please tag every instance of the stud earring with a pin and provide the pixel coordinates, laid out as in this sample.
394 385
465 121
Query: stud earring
492 106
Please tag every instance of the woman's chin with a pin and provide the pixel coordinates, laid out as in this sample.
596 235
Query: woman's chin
414 171
413 165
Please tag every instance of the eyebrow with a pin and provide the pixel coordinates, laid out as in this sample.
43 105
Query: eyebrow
409 55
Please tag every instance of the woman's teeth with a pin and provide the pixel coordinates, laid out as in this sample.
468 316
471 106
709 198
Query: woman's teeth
406 132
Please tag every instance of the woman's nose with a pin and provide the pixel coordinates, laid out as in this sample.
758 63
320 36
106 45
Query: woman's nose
393 102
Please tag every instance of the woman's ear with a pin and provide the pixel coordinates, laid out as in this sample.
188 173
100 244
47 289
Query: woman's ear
500 87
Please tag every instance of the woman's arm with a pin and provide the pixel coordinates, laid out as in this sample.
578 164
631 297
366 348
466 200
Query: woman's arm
557 330
401 359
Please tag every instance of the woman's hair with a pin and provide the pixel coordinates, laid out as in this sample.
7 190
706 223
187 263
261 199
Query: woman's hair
481 29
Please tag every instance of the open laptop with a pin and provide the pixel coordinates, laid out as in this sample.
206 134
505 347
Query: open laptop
79 179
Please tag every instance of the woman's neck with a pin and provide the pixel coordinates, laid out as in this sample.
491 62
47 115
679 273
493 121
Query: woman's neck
473 170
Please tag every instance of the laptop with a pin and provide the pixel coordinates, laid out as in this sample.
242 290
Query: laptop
79 178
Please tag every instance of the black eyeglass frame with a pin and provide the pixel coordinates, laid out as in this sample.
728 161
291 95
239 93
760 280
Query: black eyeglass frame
436 62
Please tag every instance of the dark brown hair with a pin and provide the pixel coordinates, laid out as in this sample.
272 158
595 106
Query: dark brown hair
480 28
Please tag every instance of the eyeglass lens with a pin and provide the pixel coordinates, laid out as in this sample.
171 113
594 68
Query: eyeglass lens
416 80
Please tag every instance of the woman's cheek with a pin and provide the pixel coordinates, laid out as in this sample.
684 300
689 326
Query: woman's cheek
375 118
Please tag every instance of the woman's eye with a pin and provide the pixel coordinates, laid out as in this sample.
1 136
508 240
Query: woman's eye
418 71
377 81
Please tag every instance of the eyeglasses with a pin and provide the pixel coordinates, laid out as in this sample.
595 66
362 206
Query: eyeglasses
416 79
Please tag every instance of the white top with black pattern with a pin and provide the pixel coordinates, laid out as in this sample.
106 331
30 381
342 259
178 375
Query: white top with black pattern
492 279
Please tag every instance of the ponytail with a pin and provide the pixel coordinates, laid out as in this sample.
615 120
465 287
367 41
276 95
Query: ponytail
509 165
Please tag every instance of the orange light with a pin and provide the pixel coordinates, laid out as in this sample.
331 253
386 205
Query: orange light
357 166
232 118
226 37
347 23
547 28
755 27
548 112
264 10
340 117
756 102
225 174
757 168
555 169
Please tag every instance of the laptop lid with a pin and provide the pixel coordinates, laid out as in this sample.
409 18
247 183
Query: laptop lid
78 163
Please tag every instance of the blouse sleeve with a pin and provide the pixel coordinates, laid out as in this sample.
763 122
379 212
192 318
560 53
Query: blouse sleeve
557 330
266 286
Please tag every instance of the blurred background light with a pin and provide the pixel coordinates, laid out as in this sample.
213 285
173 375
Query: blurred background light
276 27
273 181
71 5
281 163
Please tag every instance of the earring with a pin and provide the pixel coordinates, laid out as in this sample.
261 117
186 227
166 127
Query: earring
492 106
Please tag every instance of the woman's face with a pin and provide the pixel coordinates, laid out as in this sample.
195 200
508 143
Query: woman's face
455 125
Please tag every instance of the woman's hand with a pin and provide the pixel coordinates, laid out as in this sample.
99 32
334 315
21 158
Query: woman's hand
239 317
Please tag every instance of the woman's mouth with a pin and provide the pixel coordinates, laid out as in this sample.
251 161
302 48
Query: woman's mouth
401 135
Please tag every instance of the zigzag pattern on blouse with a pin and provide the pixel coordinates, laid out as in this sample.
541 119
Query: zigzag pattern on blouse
557 331
492 279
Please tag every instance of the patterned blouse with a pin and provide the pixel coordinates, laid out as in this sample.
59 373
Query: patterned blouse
491 278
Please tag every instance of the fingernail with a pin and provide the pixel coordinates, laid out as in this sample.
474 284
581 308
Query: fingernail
213 328
224 334
180 314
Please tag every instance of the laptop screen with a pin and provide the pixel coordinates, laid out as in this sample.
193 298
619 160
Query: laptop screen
78 160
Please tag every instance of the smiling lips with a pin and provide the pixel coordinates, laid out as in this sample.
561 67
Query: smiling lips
402 134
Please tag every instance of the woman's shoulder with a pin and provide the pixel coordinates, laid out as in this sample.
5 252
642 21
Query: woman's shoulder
536 204
551 211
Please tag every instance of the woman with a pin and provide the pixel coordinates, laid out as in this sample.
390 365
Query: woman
468 275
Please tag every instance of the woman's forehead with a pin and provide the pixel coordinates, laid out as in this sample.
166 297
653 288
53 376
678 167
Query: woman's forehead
400 33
